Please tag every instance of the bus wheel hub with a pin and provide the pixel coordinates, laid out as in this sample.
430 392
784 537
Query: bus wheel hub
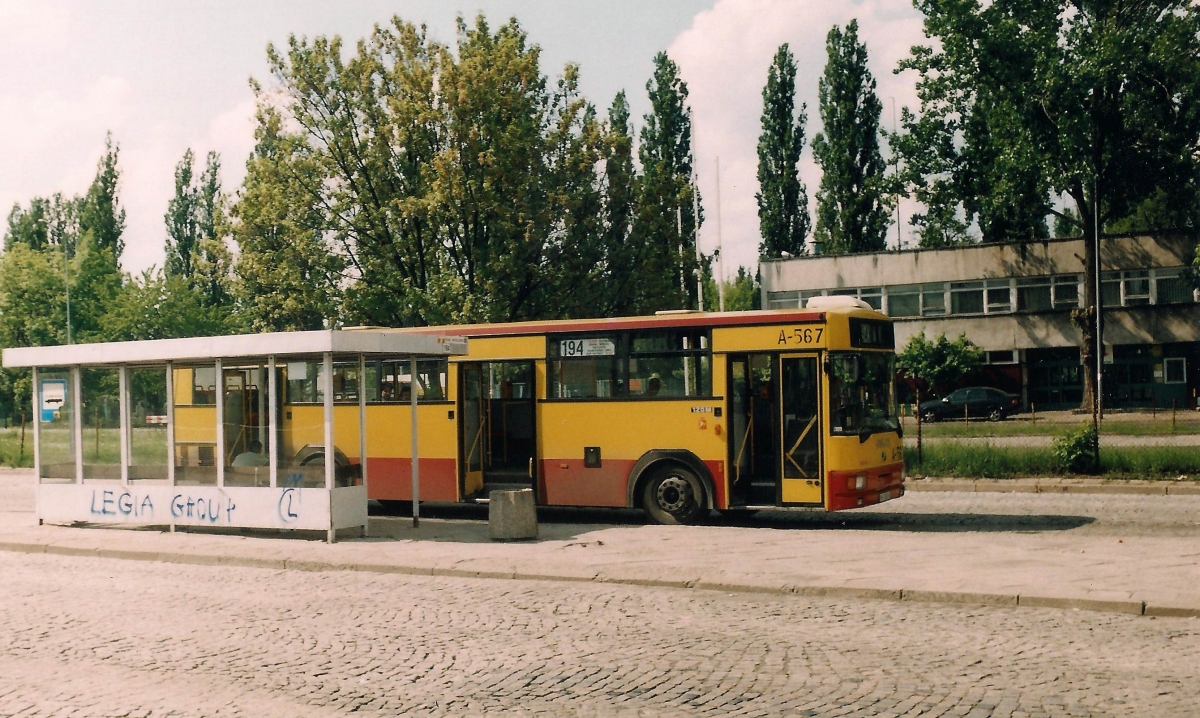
674 494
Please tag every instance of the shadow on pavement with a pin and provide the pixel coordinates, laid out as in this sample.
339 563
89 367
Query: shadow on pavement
590 518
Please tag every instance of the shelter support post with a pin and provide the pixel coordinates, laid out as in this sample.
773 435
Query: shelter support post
123 420
416 470
36 395
171 430
272 422
327 386
219 453
362 427
76 421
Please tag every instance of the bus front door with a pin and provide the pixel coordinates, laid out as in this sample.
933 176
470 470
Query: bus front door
800 429
497 441
754 424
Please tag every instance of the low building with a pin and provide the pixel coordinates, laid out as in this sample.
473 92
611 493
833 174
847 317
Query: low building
1015 302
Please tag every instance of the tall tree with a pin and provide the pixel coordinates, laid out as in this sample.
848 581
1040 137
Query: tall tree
197 228
621 180
666 223
288 276
1100 98
100 211
852 201
782 198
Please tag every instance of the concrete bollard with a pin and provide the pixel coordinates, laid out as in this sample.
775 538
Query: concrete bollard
512 515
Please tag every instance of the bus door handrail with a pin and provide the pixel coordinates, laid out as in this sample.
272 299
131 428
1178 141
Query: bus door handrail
737 463
797 446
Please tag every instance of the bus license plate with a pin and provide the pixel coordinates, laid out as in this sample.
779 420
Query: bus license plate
884 496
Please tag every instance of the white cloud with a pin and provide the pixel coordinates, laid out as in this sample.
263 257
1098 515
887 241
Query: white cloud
724 57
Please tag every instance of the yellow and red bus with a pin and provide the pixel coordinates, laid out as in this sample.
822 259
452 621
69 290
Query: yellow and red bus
677 414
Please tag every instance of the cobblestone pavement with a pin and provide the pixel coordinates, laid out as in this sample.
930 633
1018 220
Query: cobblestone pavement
100 637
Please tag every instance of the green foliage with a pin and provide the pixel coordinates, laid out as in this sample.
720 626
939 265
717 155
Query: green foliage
975 460
161 306
196 229
932 365
665 228
99 210
1075 451
782 198
852 201
742 293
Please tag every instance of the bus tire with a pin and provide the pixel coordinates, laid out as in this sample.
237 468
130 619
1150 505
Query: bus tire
674 495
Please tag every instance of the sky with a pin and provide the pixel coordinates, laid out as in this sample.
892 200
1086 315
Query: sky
165 77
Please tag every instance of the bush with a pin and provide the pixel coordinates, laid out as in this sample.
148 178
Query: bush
1075 451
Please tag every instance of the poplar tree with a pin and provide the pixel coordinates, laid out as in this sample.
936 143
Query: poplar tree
665 227
620 206
852 201
782 198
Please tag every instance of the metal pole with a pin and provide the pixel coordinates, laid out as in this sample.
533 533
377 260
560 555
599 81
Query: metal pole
1099 308
219 454
416 469
272 422
171 430
67 283
720 245
696 217
682 277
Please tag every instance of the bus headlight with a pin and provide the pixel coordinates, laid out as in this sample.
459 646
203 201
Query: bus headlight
856 483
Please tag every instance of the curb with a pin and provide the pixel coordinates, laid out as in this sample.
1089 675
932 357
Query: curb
1015 486
1136 608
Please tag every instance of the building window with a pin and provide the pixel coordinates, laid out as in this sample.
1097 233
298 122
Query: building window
1171 286
807 295
1005 356
872 296
783 300
933 300
1176 370
1110 289
1033 294
966 297
1136 286
903 302
843 292
1066 291
999 296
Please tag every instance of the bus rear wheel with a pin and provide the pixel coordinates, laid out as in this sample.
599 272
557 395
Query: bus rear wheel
673 495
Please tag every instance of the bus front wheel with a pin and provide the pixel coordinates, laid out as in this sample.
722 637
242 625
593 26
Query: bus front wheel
673 495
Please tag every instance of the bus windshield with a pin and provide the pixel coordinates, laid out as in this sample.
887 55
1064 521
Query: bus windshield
862 394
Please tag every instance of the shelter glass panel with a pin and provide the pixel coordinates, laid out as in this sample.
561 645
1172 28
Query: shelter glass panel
247 432
101 417
56 442
195 452
346 422
147 402
302 425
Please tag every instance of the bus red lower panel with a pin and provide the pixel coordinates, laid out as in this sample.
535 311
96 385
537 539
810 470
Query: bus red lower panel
880 484
391 479
568 483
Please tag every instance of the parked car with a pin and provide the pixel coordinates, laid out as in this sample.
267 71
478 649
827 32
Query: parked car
981 401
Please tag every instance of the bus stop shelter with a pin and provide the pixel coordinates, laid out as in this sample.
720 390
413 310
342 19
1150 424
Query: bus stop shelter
189 431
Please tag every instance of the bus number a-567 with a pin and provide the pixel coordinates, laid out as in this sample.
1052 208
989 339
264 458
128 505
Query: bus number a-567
801 336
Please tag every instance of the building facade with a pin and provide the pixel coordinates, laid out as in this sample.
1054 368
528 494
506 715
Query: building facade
1015 301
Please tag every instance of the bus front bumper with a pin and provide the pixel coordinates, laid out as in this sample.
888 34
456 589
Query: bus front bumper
866 487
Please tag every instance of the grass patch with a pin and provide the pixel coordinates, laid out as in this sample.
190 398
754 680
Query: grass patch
1025 427
1003 462
10 447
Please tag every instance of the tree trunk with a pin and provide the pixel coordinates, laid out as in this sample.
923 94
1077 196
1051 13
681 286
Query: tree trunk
1085 317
